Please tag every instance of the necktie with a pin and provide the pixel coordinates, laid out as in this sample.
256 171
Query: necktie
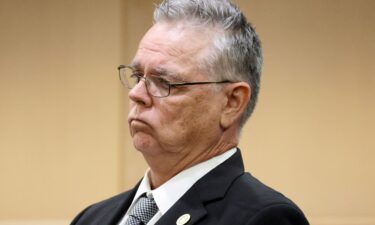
143 211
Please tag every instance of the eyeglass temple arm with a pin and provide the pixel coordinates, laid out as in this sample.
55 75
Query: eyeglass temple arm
198 83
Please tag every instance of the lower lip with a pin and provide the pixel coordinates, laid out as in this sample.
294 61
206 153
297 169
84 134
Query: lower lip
137 126
138 123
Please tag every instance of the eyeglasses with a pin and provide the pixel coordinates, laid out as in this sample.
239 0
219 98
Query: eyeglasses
156 86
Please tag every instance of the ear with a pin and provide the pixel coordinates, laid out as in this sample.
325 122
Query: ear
237 96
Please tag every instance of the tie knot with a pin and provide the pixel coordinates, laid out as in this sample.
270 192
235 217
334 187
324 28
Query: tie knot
143 210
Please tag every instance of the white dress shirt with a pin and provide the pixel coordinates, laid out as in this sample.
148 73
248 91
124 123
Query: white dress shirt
171 191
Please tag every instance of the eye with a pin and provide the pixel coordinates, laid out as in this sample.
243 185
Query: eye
160 82
136 76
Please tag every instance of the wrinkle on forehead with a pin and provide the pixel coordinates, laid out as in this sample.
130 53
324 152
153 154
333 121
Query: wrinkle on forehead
178 41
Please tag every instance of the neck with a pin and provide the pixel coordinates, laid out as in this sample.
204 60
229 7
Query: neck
164 167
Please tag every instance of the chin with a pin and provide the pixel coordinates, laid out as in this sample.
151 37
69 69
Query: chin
144 144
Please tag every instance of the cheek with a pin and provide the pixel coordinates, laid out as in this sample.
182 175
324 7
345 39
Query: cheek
172 116
195 114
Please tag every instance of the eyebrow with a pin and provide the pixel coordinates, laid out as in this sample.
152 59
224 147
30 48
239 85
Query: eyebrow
135 65
162 72
157 71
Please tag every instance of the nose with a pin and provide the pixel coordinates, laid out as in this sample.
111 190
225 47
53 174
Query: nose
140 95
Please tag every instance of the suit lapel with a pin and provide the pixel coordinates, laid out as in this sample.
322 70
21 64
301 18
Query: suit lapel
115 213
188 204
210 187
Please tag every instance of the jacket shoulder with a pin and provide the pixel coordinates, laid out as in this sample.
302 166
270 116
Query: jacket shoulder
257 192
249 201
104 210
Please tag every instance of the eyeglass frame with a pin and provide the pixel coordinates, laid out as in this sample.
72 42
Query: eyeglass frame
170 85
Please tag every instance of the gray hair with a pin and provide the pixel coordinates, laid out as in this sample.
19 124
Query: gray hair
237 53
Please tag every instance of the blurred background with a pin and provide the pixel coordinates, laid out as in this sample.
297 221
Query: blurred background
64 142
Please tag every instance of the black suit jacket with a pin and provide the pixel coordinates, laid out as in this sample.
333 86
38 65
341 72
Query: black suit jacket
225 196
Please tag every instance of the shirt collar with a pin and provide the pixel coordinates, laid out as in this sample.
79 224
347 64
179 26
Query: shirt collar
167 194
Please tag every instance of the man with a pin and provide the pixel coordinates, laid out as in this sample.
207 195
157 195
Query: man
194 82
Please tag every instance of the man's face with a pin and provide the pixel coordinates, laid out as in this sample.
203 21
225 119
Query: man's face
187 122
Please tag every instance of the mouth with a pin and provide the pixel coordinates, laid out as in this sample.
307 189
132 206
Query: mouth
133 117
138 126
133 120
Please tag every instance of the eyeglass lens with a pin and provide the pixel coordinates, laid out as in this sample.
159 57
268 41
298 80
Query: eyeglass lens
156 86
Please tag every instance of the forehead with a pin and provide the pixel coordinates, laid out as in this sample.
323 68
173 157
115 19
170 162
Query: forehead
175 46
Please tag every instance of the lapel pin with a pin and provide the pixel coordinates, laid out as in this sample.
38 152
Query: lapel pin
183 219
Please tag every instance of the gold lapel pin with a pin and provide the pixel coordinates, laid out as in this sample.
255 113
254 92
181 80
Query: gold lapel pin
183 219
